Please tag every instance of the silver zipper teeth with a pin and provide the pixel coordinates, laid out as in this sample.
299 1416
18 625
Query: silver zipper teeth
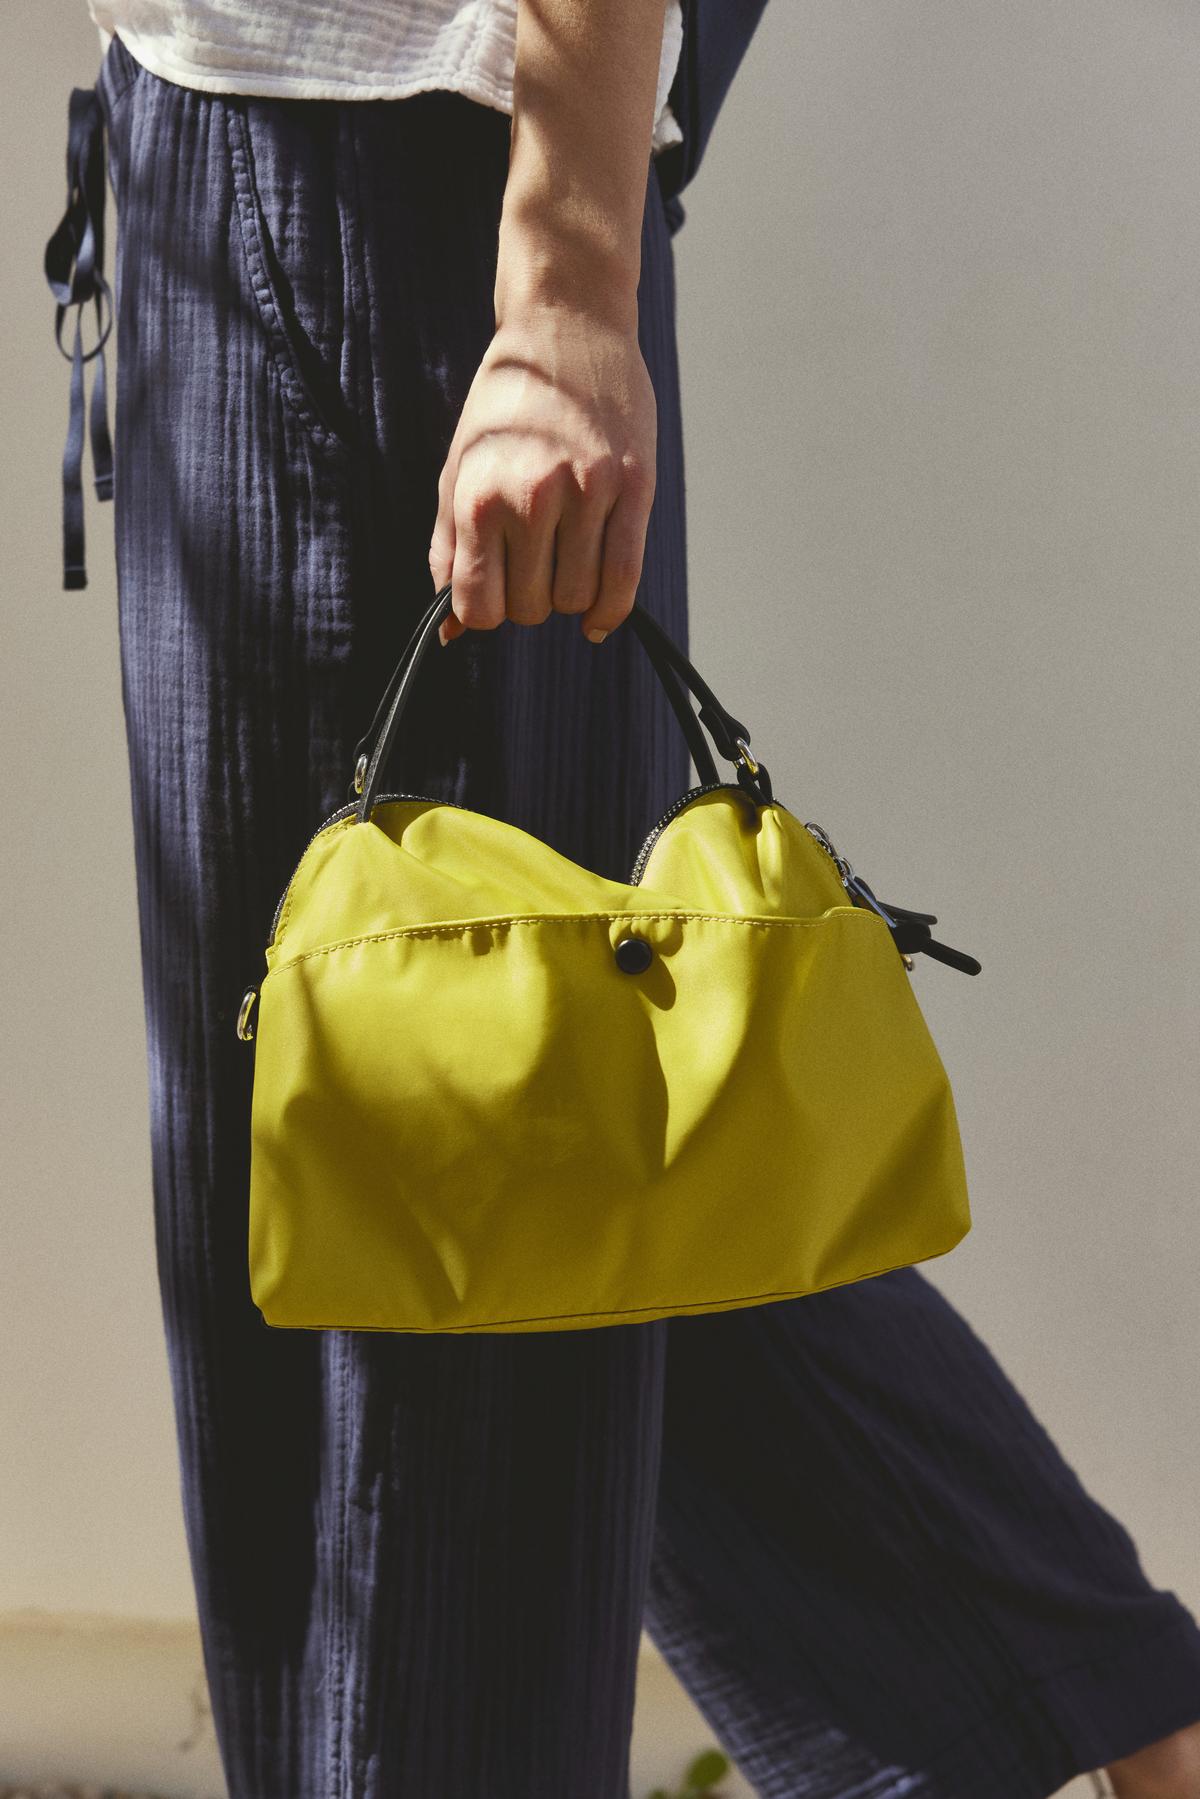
685 799
848 874
344 812
826 842
639 867
816 832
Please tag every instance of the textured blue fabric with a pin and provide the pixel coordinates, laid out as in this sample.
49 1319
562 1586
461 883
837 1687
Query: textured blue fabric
716 36
422 1564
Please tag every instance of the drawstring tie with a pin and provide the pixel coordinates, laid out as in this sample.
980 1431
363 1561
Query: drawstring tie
74 262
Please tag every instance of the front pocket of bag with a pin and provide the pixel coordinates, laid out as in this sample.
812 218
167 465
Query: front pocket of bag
287 168
492 1123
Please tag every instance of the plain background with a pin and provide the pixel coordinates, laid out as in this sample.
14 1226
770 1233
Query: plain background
938 298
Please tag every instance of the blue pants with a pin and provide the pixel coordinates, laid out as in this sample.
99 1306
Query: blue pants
422 1564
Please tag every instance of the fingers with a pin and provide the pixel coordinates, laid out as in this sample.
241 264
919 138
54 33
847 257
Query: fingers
557 539
579 545
532 516
441 547
621 569
477 573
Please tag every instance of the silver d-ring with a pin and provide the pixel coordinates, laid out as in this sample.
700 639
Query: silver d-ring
746 759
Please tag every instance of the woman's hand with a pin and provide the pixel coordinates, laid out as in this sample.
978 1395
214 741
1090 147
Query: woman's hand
545 495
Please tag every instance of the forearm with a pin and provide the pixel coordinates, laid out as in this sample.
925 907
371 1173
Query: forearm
584 90
545 496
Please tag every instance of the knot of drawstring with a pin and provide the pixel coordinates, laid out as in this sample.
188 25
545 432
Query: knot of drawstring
74 265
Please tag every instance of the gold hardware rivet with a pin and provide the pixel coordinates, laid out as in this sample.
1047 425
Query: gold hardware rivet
360 772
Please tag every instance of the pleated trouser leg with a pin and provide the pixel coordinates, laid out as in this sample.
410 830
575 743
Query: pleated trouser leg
878 1576
419 1562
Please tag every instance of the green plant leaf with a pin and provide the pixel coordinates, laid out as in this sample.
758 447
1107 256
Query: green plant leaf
659 1793
705 1771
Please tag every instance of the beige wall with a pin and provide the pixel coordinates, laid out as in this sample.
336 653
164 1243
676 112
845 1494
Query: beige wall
938 312
940 288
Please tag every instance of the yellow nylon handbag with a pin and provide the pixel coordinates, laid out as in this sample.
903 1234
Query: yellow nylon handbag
495 1091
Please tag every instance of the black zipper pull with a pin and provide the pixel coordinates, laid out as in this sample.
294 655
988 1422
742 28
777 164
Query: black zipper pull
910 930
903 912
911 936
854 884
953 958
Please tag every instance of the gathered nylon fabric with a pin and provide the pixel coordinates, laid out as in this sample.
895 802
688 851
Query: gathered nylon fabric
467 1116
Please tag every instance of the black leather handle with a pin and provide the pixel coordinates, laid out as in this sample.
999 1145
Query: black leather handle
689 724
675 672
362 749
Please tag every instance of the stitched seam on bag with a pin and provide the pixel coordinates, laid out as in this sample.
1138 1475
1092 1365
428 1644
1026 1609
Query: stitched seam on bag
285 912
541 918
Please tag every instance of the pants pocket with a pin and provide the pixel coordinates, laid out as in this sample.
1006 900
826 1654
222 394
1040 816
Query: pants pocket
291 164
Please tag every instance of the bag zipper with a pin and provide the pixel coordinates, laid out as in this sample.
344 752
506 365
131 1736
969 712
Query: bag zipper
685 799
251 994
858 889
854 884
910 930
244 1029
344 812
848 876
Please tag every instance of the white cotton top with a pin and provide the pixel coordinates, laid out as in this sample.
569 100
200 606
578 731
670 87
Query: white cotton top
344 49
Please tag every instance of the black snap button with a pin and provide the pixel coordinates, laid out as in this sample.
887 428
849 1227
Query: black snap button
634 955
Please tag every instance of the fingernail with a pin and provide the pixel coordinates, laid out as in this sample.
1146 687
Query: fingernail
595 636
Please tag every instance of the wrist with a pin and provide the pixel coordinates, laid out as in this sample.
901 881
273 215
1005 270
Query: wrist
580 265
